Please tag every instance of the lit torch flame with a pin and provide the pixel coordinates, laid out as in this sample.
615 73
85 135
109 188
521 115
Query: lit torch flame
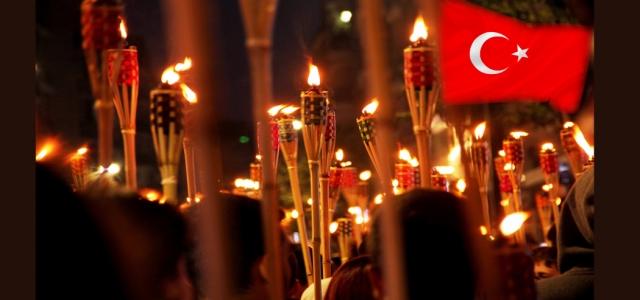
502 153
339 155
419 30
568 124
274 110
371 108
294 214
548 146
44 151
188 94
82 151
547 187
513 222
461 185
480 130
259 157
314 76
509 167
123 30
518 134
289 110
169 76
445 170
186 65
365 175
483 230
333 227
239 182
414 162
583 142
404 155
378 199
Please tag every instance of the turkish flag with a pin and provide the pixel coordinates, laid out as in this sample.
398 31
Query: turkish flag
489 57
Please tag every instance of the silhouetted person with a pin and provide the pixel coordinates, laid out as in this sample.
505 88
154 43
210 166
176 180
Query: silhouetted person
576 244
436 247
72 254
351 281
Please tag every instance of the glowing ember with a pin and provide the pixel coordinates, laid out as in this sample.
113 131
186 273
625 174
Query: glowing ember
547 187
378 199
518 134
509 167
502 153
259 157
297 125
480 130
339 155
419 30
445 170
414 162
152 196
371 108
274 110
548 146
82 150
186 65
558 201
483 230
365 175
123 30
333 227
513 222
461 185
169 76
188 93
314 76
294 214
394 183
404 155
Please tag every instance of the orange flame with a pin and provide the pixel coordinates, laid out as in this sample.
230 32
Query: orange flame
502 153
274 110
518 134
314 76
548 146
259 157
404 155
445 170
188 93
414 162
378 199
513 222
289 110
483 230
123 29
186 65
46 149
371 108
480 130
547 187
169 76
333 227
419 30
461 185
509 167
365 175
82 151
339 155
582 142
568 124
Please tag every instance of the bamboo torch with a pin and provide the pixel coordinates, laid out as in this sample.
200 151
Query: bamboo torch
439 177
336 175
513 147
481 165
405 172
124 78
421 92
345 229
577 154
367 124
289 146
350 192
100 21
189 133
545 205
79 169
314 126
167 130
325 191
551 171
506 190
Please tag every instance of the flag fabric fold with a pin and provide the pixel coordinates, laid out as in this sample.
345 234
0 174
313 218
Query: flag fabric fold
489 57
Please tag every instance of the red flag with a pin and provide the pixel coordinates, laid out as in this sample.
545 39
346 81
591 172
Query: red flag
489 57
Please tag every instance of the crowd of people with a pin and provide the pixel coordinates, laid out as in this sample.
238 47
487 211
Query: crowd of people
108 243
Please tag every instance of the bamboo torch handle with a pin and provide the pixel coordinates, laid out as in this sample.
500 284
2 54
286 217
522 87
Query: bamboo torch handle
326 221
314 168
190 167
130 169
302 228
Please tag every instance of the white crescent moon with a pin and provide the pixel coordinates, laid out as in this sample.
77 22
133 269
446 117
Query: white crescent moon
474 52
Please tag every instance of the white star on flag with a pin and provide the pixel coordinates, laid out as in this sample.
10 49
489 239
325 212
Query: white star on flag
520 53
